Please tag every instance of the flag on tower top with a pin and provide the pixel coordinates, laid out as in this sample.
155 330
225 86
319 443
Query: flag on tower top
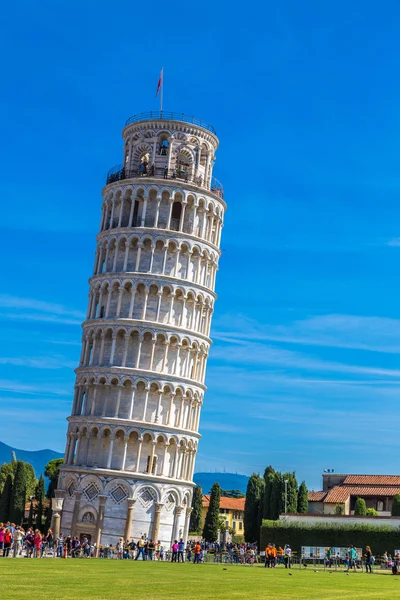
160 82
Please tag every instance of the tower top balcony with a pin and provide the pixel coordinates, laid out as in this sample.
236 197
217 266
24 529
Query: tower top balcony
120 173
168 145
164 115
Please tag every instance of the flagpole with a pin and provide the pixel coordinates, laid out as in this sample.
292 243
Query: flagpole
162 88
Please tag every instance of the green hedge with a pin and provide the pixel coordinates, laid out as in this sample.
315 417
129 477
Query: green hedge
380 538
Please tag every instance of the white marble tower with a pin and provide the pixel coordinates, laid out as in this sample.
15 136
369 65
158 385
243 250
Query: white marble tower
133 433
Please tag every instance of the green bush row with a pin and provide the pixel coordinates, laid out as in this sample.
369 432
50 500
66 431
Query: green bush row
380 538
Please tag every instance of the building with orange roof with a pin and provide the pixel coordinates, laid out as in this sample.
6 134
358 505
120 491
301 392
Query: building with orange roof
377 491
231 511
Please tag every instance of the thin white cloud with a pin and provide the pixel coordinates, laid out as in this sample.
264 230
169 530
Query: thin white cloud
30 309
376 334
394 242
262 355
38 362
220 427
38 389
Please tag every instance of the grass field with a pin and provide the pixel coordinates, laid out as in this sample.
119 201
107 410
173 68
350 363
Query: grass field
110 579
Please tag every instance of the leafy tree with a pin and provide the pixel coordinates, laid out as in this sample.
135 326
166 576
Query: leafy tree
52 471
5 470
269 479
255 489
302 498
396 506
371 512
339 509
360 508
211 524
5 500
18 496
39 495
197 506
30 516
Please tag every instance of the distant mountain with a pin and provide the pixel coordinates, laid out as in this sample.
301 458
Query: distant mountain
38 458
227 481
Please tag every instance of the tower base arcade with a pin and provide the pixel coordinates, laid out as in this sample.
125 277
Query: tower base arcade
106 507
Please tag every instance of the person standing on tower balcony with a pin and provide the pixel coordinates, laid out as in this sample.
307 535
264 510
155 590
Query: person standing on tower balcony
165 172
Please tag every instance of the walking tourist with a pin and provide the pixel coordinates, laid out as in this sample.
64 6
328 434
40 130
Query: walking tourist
18 536
174 549
288 555
7 542
37 544
151 547
197 553
352 558
369 559
2 534
140 548
181 549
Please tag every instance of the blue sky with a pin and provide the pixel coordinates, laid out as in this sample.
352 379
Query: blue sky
304 372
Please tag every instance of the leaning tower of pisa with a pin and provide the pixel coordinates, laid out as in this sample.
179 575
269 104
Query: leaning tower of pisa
133 432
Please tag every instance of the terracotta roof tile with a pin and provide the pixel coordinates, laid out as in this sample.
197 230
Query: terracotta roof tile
372 480
340 493
232 503
316 496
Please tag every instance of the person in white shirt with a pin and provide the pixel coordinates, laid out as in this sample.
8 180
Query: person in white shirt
287 555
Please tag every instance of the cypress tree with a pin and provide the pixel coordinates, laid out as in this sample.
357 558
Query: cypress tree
277 494
211 524
30 516
268 478
360 507
5 500
396 506
18 496
39 495
290 491
30 480
302 498
197 506
251 508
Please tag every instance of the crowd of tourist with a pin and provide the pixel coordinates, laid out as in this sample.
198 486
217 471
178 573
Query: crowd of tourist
16 542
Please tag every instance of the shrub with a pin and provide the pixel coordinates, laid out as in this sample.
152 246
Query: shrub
380 538
360 508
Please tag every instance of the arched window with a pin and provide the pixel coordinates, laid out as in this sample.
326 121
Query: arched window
176 215
164 145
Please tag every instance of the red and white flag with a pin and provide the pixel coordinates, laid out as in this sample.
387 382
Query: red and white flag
160 82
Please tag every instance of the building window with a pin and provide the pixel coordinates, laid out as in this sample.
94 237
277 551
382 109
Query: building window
240 525
151 469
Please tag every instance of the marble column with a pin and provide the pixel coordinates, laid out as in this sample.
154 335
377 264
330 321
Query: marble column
156 522
100 522
187 523
175 528
75 514
129 518
57 506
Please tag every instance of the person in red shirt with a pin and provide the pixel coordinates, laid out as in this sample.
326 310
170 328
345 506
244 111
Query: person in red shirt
7 542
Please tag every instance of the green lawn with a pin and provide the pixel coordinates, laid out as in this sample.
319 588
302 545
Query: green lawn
119 580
